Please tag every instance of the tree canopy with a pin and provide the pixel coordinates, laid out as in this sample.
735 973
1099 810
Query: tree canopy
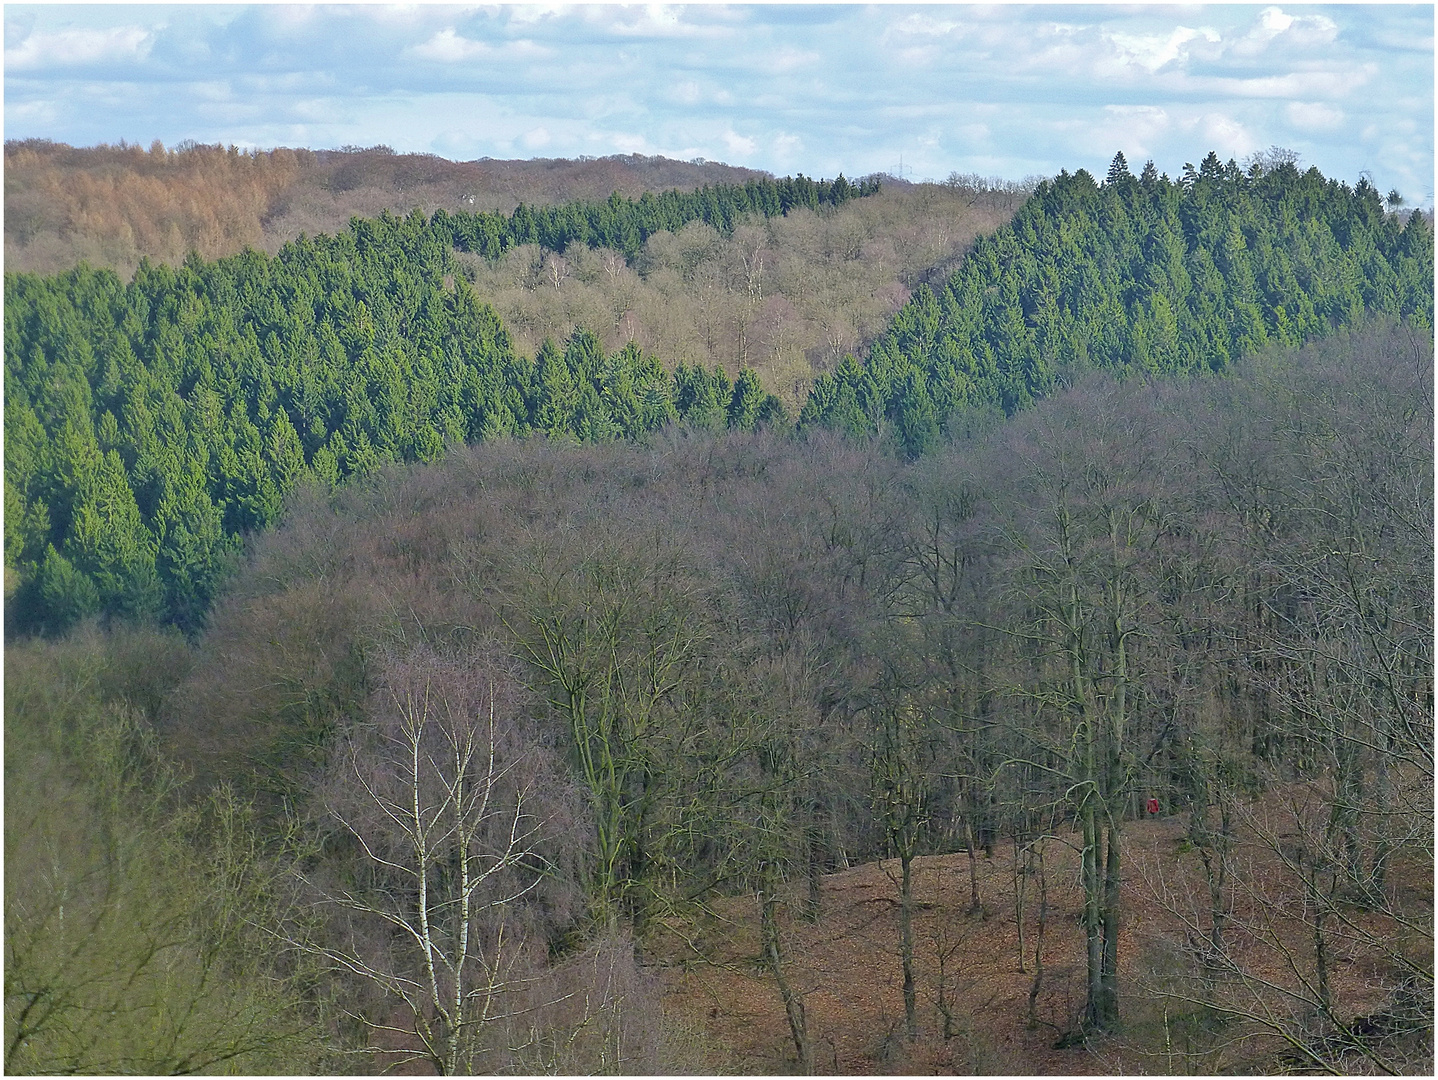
1144 274
624 224
152 425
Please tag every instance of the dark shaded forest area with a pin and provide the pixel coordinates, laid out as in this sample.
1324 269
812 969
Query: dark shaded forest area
379 697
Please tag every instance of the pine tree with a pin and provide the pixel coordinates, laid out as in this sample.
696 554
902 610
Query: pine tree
1184 277
745 402
66 595
916 423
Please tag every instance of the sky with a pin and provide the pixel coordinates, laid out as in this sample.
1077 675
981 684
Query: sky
1004 90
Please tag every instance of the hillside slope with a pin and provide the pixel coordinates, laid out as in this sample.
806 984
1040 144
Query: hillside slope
1135 273
985 1011
113 205
838 636
787 297
786 720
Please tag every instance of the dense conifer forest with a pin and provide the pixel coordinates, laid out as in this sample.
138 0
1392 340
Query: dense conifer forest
785 295
1164 276
150 426
380 692
625 224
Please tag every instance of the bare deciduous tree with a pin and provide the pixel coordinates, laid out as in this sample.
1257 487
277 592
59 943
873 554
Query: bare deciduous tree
439 810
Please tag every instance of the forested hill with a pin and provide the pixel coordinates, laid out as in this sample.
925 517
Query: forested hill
1139 272
112 205
150 426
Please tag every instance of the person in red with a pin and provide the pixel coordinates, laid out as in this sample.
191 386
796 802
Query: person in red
1153 806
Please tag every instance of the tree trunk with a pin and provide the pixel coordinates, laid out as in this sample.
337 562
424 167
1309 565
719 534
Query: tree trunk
811 905
1038 979
793 1002
1108 1005
1023 855
1093 917
906 944
974 905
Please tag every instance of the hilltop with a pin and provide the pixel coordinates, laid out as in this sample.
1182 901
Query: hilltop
113 205
788 297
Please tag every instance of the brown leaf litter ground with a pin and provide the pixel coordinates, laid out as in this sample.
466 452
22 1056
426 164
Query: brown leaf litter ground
846 963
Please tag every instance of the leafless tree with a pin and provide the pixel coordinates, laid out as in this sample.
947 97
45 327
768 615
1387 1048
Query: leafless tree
1091 523
436 802
900 803
1294 914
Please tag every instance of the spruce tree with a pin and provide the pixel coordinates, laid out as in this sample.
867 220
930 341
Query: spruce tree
1118 169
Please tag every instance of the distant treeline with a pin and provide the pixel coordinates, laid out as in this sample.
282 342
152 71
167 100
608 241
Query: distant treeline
1139 272
150 426
624 224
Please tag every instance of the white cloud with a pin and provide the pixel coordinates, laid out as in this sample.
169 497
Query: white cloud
290 18
971 133
534 13
1313 116
448 47
535 138
786 145
1134 129
924 26
1333 83
626 142
919 40
316 110
1315 30
1227 136
1154 51
655 20
73 48
212 90
739 144
789 59
1274 23
35 112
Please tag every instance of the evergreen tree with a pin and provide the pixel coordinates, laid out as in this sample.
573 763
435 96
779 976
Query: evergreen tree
745 402
625 224
1118 169
151 426
1164 277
